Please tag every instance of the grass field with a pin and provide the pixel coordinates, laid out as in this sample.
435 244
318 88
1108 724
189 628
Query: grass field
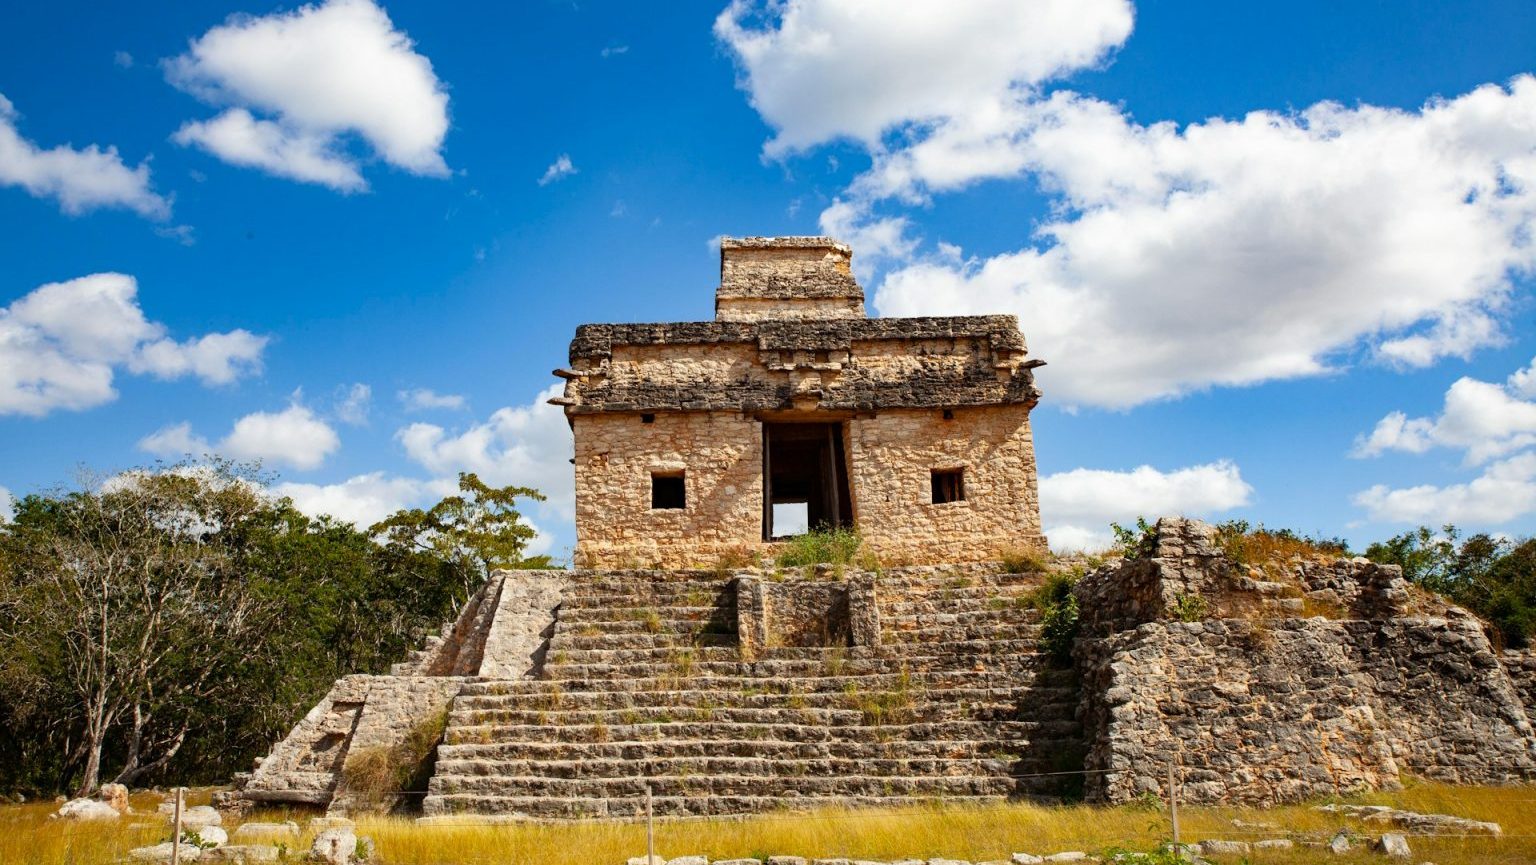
28 837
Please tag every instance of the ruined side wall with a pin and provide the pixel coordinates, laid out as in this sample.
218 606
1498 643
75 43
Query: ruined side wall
721 453
891 459
1520 664
399 713
523 625
1284 710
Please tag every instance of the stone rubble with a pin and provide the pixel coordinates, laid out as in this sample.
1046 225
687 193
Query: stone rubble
1414 822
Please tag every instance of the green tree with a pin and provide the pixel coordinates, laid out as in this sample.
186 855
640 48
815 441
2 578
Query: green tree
480 530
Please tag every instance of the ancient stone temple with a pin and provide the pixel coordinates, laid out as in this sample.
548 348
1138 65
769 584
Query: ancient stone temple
698 440
943 662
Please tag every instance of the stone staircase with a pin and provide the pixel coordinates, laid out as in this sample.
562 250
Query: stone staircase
646 682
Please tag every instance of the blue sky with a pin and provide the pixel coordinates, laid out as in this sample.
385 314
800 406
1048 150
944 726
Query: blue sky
353 240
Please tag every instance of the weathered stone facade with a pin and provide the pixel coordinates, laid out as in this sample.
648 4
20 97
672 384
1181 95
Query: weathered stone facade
1256 704
926 674
901 399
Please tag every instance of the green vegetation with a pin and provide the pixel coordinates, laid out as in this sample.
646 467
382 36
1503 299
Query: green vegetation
1134 543
1058 616
1493 577
172 622
1190 608
836 546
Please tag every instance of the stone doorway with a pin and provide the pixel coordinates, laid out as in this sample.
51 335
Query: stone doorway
805 479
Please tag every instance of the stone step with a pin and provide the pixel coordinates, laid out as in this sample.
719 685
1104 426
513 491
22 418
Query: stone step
569 641
967 766
957 649
557 670
859 709
1009 749
728 785
1034 695
1043 675
615 619
632 808
726 732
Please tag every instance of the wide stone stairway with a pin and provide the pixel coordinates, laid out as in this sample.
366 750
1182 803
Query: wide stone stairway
647 680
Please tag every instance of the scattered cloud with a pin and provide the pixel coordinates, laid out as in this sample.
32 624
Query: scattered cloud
365 499
1493 424
1504 491
353 404
1077 506
1288 238
528 445
820 70
294 437
618 209
614 51
560 169
1484 419
185 235
61 344
122 59
423 399
302 86
80 180
7 505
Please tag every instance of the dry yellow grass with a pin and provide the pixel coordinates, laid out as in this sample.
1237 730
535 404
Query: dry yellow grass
27 837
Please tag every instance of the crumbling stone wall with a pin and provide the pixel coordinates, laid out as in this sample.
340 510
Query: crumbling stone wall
1260 705
1521 666
890 459
786 278
524 621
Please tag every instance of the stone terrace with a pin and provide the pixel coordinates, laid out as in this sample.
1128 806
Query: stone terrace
647 679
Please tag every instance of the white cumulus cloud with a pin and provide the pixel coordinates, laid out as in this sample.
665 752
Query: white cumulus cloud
293 437
302 85
365 499
423 399
7 505
61 344
1237 252
1484 419
1077 506
80 180
818 70
528 445
1503 491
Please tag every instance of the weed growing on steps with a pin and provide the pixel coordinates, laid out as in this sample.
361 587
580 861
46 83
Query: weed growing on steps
1058 616
372 775
837 547
1023 560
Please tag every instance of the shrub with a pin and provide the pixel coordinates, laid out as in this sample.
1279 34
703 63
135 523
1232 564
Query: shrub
1058 616
836 546
1135 542
1190 608
373 775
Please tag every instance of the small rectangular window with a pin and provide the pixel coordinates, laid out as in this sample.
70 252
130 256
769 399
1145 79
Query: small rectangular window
948 486
647 418
668 492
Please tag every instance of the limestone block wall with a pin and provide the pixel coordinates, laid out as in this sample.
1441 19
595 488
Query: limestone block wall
721 456
892 456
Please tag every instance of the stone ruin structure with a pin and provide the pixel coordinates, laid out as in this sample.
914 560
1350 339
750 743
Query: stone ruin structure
702 440
677 657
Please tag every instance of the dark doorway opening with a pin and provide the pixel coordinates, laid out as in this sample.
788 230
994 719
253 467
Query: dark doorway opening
804 467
